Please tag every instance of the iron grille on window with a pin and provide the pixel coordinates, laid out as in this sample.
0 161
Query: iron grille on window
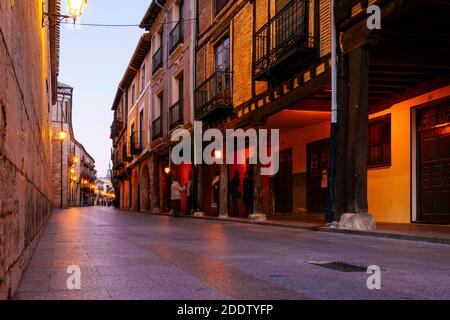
124 152
176 36
176 115
158 59
136 142
157 128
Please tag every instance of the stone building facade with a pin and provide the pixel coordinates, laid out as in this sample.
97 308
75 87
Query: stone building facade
28 75
73 169
267 64
154 99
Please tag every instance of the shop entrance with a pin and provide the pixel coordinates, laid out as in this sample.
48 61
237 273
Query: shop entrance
433 160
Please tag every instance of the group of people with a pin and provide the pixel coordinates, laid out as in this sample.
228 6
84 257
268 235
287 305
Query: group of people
234 193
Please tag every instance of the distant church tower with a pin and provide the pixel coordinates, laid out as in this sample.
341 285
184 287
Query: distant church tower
109 172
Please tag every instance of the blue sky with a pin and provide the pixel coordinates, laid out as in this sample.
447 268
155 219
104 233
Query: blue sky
93 60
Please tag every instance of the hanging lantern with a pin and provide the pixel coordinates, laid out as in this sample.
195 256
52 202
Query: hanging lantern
76 7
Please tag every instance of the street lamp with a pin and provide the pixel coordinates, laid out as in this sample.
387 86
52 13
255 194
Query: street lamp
75 8
61 135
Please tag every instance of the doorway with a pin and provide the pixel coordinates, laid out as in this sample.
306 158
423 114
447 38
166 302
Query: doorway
317 175
433 167
283 184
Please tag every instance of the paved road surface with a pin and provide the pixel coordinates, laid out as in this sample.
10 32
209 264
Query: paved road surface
135 256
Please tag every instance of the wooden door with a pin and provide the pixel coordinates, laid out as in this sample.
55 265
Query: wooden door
317 175
283 184
434 175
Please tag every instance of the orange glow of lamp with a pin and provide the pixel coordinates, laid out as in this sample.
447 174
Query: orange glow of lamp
76 7
218 154
61 135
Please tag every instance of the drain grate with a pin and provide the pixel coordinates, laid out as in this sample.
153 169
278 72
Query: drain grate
340 266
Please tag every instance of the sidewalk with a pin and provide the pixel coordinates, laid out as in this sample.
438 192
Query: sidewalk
412 232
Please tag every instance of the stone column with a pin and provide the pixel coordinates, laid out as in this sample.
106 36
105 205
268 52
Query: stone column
154 186
223 205
199 201
258 214
357 216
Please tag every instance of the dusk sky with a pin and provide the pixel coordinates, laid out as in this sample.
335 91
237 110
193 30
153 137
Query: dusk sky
93 60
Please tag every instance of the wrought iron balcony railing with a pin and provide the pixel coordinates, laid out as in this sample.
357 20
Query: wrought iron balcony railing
157 128
176 115
213 97
136 142
285 36
116 126
125 156
176 36
158 59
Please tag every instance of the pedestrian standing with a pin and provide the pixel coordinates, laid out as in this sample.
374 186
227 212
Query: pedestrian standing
176 191
189 193
234 193
248 193
216 192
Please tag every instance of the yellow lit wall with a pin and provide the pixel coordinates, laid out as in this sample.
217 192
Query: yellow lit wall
389 189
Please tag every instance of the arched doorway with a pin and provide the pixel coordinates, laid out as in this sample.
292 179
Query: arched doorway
145 190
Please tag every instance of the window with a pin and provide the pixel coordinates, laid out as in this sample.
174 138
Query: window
176 34
220 4
223 82
143 81
158 52
180 87
133 95
223 55
141 126
158 106
380 142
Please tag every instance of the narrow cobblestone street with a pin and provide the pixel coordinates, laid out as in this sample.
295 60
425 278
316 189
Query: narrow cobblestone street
126 255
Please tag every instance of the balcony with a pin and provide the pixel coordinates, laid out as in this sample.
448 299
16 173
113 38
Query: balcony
176 115
213 98
116 126
136 142
283 43
158 59
157 129
176 36
125 156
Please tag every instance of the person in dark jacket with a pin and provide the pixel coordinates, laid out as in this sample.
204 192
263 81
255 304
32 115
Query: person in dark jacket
248 193
216 192
234 193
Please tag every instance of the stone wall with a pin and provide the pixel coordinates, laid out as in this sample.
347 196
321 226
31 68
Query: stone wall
25 138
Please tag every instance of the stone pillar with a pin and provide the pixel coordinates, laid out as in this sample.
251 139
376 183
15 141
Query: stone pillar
223 205
357 216
154 186
258 213
198 211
